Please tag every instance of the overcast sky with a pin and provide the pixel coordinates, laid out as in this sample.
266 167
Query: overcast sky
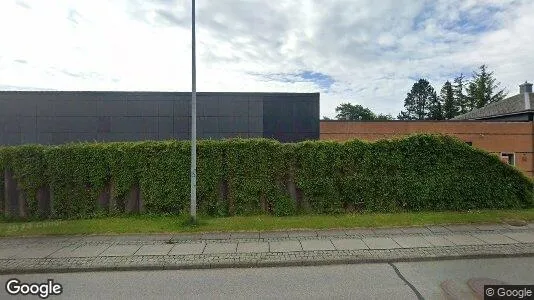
366 52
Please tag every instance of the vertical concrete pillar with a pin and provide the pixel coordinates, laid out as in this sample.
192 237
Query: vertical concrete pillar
22 204
223 193
264 205
230 199
11 196
104 197
132 200
112 200
292 189
43 202
141 204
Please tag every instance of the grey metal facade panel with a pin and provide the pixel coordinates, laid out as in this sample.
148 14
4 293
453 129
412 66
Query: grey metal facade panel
17 107
165 108
165 125
182 107
59 117
133 124
110 108
12 138
141 108
291 119
255 107
255 124
207 124
182 124
72 107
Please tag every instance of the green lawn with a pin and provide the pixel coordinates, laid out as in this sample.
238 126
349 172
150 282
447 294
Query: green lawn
168 224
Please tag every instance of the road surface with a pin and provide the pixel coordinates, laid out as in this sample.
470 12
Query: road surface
358 281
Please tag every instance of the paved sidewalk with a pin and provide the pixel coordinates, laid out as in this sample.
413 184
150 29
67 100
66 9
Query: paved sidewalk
253 249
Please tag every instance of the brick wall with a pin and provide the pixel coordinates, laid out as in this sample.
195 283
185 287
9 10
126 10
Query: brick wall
494 137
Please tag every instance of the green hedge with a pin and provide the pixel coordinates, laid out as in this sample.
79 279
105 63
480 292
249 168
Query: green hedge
255 174
28 164
244 177
2 168
77 173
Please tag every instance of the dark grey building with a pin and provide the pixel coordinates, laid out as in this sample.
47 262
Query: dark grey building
519 107
58 117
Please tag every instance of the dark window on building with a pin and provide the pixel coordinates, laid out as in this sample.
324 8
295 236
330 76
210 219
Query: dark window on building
469 143
508 158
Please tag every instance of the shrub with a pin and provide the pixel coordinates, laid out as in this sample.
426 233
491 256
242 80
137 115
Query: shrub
254 174
318 175
2 168
28 166
77 173
243 177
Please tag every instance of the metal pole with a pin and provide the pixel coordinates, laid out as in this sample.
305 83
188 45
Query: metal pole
193 124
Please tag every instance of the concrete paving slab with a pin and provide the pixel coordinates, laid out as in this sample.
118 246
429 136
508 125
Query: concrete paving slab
380 243
154 249
438 241
74 240
387 231
273 234
494 238
461 228
186 237
34 252
253 247
8 252
285 246
35 240
412 241
317 245
245 235
416 230
360 231
80 251
490 227
333 232
302 233
220 248
438 229
97 238
523 237
349 244
120 250
463 239
187 248
142 237
216 236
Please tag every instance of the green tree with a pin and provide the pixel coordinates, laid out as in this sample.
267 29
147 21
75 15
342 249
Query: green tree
383 117
483 89
450 109
347 111
435 109
326 118
405 116
460 99
421 103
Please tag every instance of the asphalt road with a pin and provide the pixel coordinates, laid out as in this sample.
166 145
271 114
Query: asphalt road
359 281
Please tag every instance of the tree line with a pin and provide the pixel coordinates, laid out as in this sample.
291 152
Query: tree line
423 103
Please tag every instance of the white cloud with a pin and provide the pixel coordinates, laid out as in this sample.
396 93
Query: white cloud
372 50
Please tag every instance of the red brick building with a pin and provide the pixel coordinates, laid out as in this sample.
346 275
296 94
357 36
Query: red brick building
504 128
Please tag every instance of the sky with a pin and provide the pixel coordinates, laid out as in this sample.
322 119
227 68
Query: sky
365 52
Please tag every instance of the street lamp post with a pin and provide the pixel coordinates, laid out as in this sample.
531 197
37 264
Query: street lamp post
193 123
